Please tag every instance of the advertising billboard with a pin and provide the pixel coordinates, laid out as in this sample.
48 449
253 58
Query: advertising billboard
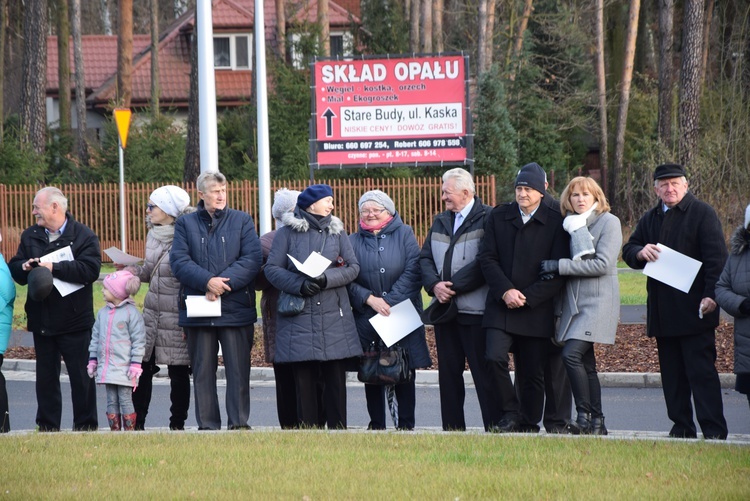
387 111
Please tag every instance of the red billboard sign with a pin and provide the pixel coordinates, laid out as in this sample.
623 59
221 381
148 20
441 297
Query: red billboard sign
378 112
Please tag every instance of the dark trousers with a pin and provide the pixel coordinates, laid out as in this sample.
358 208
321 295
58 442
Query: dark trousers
687 365
580 361
142 394
4 413
405 395
179 394
74 349
286 396
558 396
456 344
525 401
308 377
203 347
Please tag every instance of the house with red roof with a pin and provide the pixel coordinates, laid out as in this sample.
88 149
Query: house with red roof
233 57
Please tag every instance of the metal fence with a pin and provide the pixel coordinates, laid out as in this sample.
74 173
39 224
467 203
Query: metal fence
417 200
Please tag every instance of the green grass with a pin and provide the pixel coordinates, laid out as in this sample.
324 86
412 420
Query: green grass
632 288
341 465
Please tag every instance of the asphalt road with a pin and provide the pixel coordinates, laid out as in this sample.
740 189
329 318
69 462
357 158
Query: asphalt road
626 409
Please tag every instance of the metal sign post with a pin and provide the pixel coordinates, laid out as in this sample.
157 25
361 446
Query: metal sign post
122 119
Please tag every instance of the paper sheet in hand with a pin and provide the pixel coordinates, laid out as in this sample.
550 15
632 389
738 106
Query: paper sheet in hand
673 268
199 306
119 257
401 322
58 256
314 265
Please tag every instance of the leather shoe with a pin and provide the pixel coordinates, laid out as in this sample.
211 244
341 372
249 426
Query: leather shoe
597 426
505 426
567 429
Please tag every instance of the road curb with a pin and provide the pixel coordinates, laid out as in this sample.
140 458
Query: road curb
423 377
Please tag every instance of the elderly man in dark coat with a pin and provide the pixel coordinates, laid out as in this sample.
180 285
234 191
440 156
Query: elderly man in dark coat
519 310
683 324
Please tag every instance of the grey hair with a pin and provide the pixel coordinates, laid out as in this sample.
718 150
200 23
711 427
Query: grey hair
656 181
461 178
209 177
54 195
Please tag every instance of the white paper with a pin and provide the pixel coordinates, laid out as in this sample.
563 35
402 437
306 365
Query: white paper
314 265
200 306
58 256
119 257
673 268
401 322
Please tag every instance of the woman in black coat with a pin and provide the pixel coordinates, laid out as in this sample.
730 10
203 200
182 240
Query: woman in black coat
388 256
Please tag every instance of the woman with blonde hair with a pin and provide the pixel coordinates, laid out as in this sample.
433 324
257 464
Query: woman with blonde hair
591 298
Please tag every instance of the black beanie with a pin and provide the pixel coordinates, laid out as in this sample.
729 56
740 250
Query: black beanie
533 176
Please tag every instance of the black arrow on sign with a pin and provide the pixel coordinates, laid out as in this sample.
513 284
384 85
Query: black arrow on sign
328 114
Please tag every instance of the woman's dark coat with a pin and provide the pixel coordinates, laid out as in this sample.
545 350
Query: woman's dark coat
325 330
732 289
388 268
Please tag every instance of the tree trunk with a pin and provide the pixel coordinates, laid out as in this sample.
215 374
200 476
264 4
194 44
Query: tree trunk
518 40
33 112
490 32
666 43
106 18
63 64
437 26
83 149
325 28
192 145
425 33
622 113
601 85
482 64
690 74
280 30
706 37
3 19
125 54
155 58
414 26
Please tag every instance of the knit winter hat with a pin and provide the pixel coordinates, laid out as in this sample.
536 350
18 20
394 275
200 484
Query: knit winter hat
312 194
284 201
533 176
171 199
122 284
747 216
40 283
380 198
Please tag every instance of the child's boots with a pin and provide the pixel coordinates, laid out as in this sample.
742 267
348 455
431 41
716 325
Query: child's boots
114 422
128 421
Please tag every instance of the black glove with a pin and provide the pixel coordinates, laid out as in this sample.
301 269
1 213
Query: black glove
549 269
321 280
309 288
745 307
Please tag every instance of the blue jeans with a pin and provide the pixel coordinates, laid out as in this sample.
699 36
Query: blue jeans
580 362
119 399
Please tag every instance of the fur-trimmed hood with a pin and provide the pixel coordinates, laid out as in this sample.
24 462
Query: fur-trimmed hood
739 241
300 223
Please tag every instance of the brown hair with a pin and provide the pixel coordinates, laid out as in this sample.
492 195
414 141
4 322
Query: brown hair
589 185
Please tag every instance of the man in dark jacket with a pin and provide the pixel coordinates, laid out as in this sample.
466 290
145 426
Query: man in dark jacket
61 324
683 324
520 310
450 272
216 253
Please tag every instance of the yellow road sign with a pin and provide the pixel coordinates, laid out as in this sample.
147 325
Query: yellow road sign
122 119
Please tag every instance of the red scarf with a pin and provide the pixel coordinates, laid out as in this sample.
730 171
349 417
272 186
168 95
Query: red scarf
375 228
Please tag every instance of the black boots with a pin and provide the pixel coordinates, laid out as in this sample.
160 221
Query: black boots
597 426
583 423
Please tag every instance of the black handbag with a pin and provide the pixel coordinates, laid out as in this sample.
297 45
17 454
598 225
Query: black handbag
382 365
290 305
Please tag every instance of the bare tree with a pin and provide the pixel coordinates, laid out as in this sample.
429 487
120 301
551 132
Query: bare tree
325 28
3 19
425 33
280 30
690 75
601 86
622 113
155 58
490 31
666 42
125 54
437 26
414 25
192 145
63 64
482 63
706 36
83 149
33 112
106 17
518 39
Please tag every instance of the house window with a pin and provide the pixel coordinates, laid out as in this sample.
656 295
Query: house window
232 52
337 45
341 47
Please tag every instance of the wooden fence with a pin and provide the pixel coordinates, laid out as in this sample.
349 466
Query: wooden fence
98 205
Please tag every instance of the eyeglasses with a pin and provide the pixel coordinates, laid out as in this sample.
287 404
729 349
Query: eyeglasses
374 212
150 207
